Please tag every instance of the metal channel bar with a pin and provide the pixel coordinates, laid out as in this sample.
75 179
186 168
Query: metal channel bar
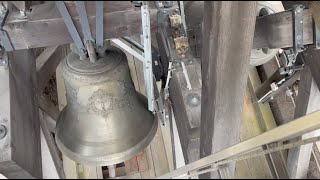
134 43
256 154
70 25
292 129
147 65
84 21
99 24
128 49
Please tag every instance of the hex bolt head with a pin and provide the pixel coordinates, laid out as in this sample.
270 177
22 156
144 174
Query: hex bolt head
3 132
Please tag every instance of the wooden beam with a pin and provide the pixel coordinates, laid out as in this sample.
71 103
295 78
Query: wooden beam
47 62
227 26
275 30
312 57
25 125
187 115
315 11
308 101
45 26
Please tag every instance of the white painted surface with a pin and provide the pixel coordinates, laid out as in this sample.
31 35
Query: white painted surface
49 171
180 162
2 177
5 150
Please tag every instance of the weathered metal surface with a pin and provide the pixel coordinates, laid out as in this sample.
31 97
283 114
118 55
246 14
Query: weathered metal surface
105 121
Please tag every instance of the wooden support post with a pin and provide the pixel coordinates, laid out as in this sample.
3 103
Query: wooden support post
315 11
308 101
24 129
227 42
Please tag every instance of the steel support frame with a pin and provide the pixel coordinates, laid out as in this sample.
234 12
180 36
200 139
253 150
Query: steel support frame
287 131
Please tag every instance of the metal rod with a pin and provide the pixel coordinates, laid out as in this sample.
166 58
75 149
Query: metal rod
134 43
254 154
70 25
99 24
84 21
292 129
185 73
183 16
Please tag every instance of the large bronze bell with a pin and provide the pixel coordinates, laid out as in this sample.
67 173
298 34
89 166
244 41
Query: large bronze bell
105 121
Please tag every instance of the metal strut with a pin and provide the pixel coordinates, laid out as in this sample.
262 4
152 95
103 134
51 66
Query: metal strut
71 27
147 65
99 25
89 41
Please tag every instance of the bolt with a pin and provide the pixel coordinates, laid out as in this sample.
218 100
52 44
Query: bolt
3 132
298 37
167 116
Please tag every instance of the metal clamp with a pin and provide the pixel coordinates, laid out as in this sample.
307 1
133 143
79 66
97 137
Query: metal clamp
5 40
297 17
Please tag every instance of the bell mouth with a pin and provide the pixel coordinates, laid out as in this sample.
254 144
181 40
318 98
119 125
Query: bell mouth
110 159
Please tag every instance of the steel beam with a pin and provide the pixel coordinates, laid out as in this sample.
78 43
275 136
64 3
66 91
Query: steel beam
45 26
287 131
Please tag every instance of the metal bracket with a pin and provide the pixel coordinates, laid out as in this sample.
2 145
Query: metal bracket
5 40
162 114
297 17
147 65
292 64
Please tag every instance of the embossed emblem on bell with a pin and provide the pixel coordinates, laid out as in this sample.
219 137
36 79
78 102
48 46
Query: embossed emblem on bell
105 121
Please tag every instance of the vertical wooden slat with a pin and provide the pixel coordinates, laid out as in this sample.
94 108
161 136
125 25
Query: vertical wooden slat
25 125
227 43
308 101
